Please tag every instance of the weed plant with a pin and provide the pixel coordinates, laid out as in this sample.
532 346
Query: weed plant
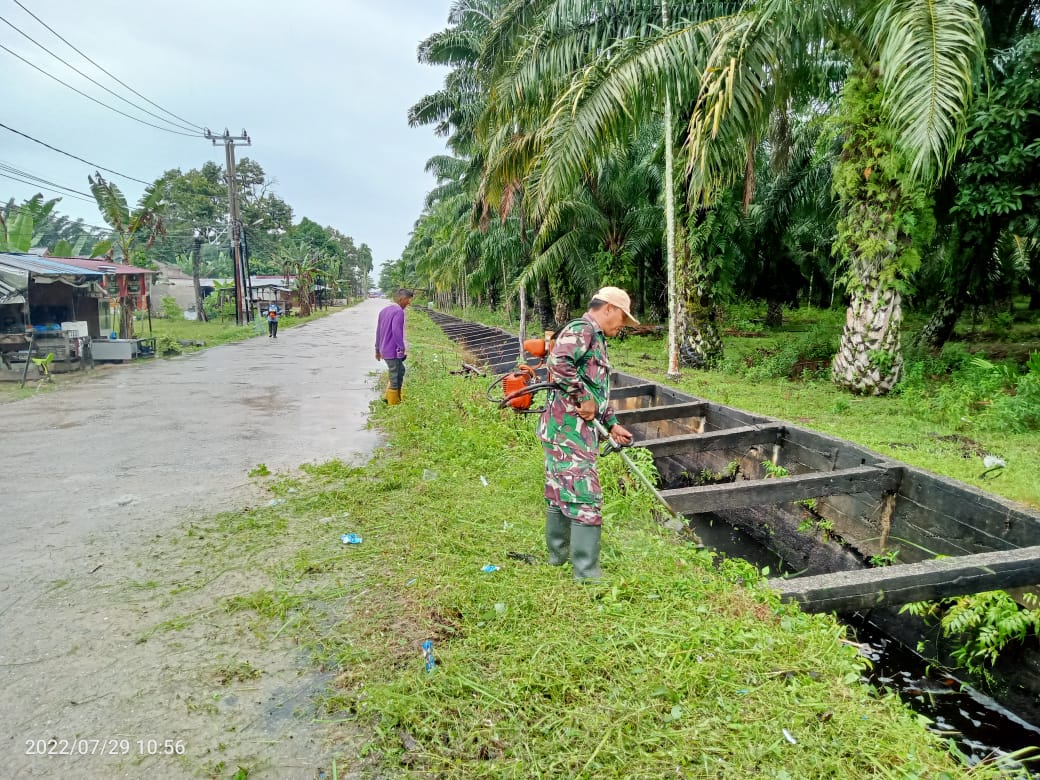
983 625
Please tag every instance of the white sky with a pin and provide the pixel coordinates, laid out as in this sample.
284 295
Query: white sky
322 87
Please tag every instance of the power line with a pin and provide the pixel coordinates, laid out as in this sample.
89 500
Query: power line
93 99
18 172
99 67
49 189
181 126
74 157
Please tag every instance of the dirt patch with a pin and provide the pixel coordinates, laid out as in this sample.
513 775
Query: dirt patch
969 448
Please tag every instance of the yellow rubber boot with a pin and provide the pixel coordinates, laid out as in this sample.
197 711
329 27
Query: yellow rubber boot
393 397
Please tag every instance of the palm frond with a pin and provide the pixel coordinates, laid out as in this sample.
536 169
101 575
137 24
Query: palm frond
929 52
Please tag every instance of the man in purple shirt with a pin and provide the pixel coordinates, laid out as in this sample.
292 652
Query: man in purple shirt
390 344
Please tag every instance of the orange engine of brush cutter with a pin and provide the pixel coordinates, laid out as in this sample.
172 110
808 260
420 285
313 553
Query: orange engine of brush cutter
513 385
538 348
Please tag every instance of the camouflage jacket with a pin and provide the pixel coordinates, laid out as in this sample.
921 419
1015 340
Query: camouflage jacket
578 363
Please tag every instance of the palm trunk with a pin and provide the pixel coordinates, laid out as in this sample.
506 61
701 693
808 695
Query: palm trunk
543 303
870 360
965 272
700 344
939 328
877 207
774 314
560 302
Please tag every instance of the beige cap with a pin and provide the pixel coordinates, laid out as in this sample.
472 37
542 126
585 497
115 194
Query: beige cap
619 298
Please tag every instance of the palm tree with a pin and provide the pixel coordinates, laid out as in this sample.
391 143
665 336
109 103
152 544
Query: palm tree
305 264
563 59
607 230
991 196
901 116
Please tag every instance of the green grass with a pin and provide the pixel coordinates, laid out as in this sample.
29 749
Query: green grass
680 665
927 427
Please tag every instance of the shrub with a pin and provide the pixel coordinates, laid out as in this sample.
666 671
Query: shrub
1019 409
171 309
815 346
167 345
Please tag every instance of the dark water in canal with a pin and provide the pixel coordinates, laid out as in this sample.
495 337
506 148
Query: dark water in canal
980 726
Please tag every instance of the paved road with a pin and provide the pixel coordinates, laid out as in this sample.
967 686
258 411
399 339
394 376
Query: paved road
146 442
92 472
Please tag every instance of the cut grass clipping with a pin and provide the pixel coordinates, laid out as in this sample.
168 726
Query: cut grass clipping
681 664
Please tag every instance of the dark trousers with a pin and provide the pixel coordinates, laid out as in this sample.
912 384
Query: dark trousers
272 328
396 366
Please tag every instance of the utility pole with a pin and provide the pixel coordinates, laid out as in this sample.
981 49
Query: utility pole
242 308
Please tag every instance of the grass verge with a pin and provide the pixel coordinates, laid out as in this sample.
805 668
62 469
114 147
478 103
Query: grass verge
679 665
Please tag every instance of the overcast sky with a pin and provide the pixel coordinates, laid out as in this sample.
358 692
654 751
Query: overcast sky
322 87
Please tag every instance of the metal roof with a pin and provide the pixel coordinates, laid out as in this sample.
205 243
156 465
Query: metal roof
104 266
12 287
42 266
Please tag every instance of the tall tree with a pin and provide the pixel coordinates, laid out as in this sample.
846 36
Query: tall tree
913 66
196 202
993 193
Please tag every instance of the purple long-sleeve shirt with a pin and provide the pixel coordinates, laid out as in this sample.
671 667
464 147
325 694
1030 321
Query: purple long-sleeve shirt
390 333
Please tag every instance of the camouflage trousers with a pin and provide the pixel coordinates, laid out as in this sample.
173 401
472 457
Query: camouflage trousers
571 477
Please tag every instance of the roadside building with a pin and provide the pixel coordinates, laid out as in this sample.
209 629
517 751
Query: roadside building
48 306
127 287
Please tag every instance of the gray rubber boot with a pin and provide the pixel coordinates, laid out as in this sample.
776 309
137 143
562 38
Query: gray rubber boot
585 540
557 536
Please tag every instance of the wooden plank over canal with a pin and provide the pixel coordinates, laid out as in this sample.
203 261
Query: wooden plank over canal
890 586
762 492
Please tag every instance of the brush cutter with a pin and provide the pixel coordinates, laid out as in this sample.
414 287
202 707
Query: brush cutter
521 385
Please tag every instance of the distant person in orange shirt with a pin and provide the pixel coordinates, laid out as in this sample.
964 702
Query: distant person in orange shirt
272 321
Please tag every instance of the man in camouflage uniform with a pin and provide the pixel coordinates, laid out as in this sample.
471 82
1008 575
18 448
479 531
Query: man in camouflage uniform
578 364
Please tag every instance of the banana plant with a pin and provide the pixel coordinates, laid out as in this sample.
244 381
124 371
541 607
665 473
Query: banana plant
16 233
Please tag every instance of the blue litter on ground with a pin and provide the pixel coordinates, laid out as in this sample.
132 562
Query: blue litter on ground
427 651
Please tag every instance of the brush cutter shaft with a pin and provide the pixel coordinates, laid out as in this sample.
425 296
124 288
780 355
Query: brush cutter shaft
613 446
